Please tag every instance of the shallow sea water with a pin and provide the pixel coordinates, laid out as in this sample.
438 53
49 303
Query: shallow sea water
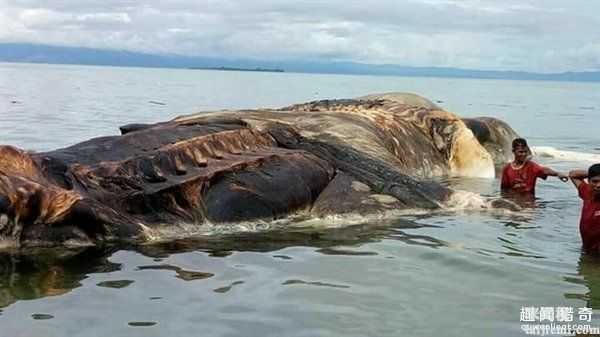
464 272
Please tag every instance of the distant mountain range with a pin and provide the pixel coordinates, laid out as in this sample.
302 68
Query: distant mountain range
36 53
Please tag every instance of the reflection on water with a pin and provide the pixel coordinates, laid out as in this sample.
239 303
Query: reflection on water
589 270
337 251
524 200
386 265
327 239
45 272
417 239
227 288
117 284
185 275
52 272
41 316
320 284
141 324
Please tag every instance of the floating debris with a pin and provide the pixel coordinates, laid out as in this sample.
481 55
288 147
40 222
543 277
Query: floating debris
321 284
334 251
142 324
183 274
115 284
41 316
227 288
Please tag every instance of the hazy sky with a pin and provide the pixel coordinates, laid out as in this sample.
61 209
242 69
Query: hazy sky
543 35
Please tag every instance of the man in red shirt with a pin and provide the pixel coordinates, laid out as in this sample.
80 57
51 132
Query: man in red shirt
589 192
521 174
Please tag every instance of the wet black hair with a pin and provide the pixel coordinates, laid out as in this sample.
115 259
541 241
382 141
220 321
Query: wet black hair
518 142
594 170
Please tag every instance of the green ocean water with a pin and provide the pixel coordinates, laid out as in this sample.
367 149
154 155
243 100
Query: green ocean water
453 273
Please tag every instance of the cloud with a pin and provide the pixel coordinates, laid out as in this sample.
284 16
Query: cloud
527 35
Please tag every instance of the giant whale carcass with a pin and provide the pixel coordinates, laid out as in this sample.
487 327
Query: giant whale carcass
365 155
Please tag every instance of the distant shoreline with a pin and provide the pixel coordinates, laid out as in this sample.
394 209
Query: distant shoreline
267 70
48 54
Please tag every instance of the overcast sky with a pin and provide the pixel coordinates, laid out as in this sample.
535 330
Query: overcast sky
541 36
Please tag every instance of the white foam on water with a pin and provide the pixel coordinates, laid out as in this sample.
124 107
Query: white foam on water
554 153
300 220
351 219
460 200
183 230
469 201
